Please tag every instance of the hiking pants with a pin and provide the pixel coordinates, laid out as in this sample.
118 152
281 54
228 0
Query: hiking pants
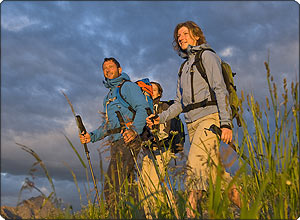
121 167
154 170
203 157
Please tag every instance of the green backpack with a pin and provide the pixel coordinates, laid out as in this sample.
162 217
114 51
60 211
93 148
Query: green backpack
228 79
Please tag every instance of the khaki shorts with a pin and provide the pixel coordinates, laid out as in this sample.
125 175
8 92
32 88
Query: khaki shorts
203 157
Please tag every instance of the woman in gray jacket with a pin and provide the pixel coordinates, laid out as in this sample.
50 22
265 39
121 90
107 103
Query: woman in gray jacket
203 104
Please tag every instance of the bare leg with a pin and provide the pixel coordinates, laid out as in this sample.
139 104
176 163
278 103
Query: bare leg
194 197
234 196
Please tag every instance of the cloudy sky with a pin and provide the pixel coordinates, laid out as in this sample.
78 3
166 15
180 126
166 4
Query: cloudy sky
49 47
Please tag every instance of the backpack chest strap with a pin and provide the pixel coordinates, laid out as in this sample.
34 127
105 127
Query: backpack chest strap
196 105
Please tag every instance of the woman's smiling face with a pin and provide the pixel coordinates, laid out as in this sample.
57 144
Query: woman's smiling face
185 38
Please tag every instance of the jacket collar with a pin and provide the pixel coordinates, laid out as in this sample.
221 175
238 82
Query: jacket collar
192 50
111 83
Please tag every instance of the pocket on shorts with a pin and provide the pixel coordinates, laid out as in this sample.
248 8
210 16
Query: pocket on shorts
207 134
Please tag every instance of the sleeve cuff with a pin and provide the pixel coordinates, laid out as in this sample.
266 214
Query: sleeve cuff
226 126
92 137
161 118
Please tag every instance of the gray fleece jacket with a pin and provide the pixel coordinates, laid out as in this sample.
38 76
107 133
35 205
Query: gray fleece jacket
212 65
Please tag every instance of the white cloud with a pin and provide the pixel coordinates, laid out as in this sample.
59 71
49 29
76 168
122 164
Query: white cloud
17 23
227 52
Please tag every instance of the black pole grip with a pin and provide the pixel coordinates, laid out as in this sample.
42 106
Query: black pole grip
80 124
154 117
214 128
238 121
149 112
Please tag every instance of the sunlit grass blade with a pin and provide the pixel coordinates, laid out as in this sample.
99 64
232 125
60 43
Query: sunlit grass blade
76 152
41 163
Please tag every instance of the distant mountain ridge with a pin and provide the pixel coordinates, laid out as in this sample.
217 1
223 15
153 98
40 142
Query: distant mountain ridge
33 208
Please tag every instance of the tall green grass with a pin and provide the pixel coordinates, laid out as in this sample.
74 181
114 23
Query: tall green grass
268 182
274 152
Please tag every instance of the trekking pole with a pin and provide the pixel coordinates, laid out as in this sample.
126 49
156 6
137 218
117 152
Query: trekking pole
163 183
82 129
122 128
216 130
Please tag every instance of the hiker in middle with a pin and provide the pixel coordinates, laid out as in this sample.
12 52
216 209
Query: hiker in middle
155 162
125 138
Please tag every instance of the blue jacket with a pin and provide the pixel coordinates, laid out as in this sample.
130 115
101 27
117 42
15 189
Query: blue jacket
134 96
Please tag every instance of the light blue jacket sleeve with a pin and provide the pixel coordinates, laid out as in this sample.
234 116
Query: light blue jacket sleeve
98 133
134 96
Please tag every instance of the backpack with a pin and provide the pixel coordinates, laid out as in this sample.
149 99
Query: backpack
178 127
229 82
147 90
172 133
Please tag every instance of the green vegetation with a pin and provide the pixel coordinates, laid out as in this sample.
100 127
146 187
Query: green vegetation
268 183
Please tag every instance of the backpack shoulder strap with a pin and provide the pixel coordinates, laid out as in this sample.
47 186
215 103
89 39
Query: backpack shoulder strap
199 65
122 99
181 67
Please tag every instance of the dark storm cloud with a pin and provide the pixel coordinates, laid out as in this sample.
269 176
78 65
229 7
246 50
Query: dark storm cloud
48 46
